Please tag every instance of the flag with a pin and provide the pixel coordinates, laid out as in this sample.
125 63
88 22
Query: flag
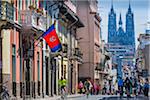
52 39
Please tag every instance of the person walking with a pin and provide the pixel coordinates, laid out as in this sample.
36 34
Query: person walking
134 85
146 87
139 87
62 84
98 89
104 90
95 88
128 86
80 87
120 86
87 87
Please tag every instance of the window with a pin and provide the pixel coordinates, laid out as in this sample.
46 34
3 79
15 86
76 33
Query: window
65 71
61 28
14 69
38 65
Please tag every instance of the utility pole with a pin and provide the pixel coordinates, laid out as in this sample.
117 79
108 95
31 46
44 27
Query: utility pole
1 77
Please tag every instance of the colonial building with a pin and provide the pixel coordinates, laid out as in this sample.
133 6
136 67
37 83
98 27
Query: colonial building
31 69
90 42
21 52
69 59
143 54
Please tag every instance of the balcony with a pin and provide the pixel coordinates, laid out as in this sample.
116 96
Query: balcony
65 48
100 66
6 13
78 55
33 21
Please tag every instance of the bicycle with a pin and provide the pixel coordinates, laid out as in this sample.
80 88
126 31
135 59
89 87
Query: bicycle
63 93
5 94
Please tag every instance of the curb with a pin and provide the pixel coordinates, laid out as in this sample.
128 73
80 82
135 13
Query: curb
75 96
59 97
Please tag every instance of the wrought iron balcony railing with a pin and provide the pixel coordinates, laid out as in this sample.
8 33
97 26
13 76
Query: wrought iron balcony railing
17 16
29 19
65 48
32 19
6 11
78 55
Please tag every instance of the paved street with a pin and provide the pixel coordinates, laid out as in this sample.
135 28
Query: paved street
125 98
95 97
108 97
91 97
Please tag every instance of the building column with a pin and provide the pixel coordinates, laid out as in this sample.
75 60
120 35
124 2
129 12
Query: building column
1 78
44 76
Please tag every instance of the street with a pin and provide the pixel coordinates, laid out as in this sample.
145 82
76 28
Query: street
91 97
108 97
125 98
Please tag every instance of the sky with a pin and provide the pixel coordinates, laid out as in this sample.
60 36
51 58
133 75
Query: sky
140 9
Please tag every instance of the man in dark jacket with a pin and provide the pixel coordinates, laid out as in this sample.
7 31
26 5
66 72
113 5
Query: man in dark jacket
128 86
146 87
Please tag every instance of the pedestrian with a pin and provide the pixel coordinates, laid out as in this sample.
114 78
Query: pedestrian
95 88
80 87
139 87
134 84
146 87
98 89
113 89
128 86
120 86
62 84
87 87
91 88
104 91
110 88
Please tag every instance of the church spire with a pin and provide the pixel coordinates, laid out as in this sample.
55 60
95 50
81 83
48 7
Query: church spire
112 8
120 20
129 9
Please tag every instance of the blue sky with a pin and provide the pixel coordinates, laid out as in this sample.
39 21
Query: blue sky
140 8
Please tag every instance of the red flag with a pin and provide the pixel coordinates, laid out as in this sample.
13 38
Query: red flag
52 39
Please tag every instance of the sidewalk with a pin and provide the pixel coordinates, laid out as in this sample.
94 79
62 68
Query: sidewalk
59 97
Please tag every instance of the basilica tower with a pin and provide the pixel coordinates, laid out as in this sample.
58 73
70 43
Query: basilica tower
130 27
112 25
